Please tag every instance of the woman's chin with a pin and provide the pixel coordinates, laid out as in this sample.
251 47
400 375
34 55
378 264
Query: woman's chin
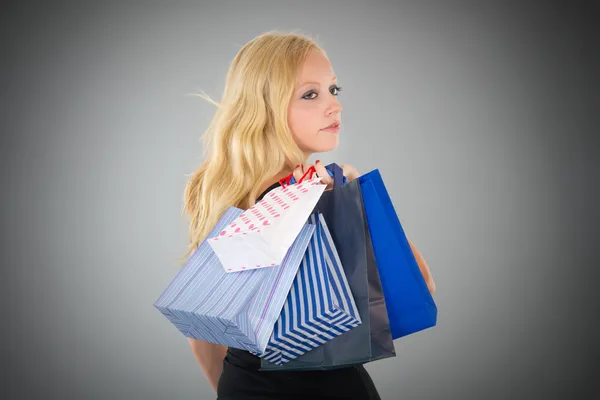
328 145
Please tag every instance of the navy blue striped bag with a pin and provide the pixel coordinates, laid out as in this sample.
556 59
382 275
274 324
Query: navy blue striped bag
319 306
343 211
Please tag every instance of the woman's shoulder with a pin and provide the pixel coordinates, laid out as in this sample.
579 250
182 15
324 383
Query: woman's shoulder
267 190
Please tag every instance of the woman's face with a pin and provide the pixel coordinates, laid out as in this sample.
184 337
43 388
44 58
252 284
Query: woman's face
314 106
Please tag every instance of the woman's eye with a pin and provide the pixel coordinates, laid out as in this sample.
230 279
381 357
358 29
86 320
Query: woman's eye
334 90
337 89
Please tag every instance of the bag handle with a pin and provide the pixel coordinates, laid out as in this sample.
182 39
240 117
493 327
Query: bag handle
312 170
285 181
337 173
289 180
334 170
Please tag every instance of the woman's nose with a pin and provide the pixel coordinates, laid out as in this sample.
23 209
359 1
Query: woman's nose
335 107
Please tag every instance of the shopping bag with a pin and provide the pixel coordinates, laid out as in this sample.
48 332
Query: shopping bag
409 303
233 309
344 215
261 236
319 306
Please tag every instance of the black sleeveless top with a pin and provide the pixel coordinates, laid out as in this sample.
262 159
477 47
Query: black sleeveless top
242 380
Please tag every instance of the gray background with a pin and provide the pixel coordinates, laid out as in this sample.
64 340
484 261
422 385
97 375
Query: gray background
478 114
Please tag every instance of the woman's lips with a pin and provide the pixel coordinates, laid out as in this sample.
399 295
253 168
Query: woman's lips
333 128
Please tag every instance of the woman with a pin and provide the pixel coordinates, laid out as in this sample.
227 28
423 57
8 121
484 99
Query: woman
279 106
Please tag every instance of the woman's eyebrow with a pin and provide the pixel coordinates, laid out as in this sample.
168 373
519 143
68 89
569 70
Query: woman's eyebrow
315 83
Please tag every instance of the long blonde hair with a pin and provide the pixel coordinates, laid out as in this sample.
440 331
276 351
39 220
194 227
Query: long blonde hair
248 140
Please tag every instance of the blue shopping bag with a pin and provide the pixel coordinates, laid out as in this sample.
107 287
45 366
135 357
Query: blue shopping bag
319 306
409 303
235 309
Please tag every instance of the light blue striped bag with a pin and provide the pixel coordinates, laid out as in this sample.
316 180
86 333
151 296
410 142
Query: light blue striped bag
320 305
236 309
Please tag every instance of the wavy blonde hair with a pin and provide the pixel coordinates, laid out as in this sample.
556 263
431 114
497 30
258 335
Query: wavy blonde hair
248 140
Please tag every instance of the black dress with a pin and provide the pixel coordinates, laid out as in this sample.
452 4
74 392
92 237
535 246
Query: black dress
242 380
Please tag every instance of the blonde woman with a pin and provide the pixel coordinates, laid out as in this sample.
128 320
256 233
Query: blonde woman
280 105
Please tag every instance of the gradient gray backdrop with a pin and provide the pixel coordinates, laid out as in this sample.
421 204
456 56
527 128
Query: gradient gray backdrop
478 114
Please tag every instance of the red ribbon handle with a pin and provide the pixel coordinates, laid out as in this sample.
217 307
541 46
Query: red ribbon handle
312 171
286 181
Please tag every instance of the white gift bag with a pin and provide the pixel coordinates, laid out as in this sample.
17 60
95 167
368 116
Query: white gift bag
262 235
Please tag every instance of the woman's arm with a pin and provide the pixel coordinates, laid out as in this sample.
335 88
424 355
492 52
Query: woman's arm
210 357
423 267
